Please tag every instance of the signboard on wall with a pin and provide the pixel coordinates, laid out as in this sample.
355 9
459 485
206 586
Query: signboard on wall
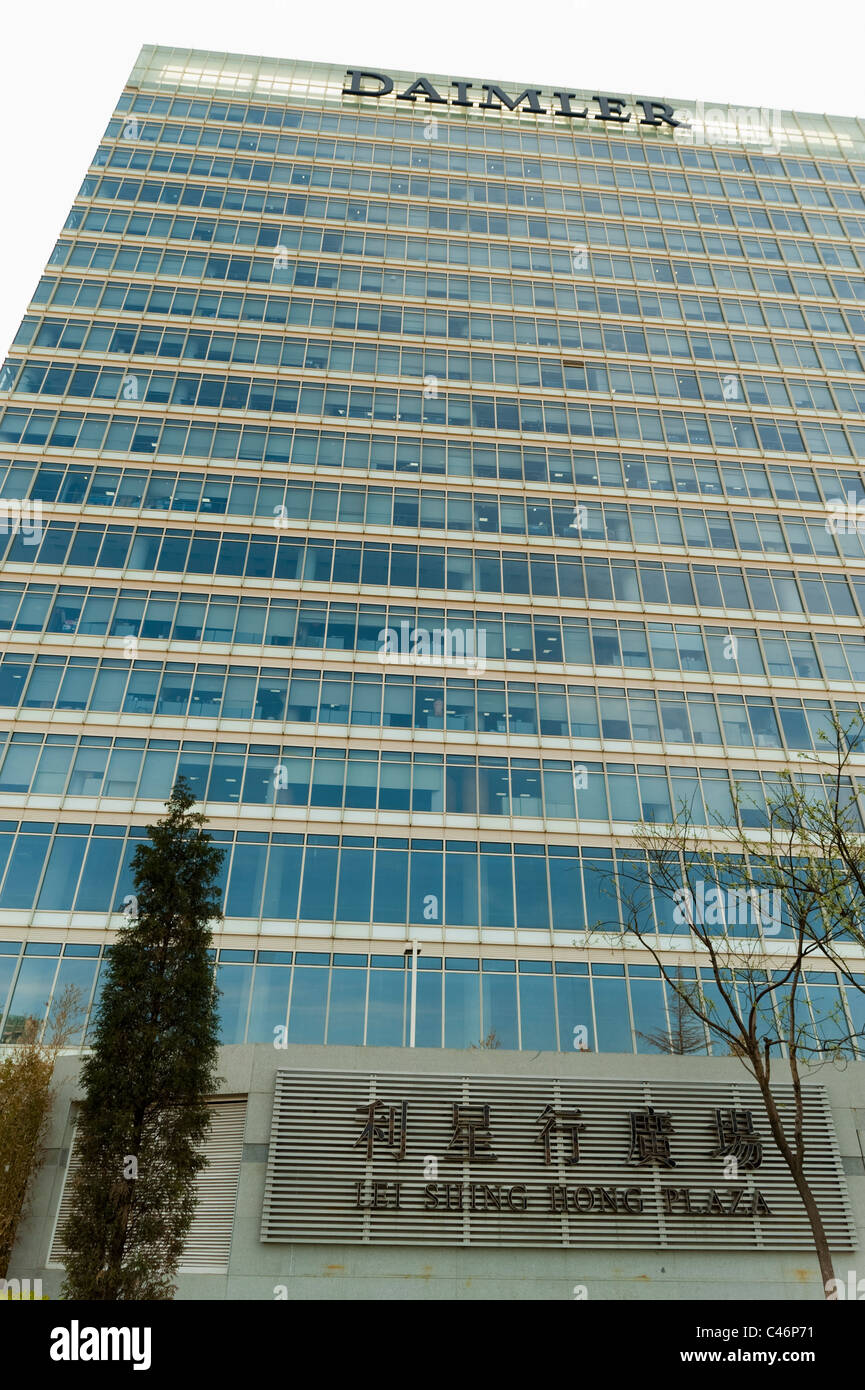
402 1158
490 96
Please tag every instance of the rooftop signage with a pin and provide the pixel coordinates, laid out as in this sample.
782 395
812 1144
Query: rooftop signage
489 96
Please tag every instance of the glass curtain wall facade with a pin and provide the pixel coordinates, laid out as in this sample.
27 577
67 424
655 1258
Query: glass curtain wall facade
442 488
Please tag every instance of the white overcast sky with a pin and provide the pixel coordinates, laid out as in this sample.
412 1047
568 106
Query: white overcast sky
63 64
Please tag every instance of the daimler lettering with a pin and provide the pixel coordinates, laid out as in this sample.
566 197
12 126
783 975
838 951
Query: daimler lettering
491 97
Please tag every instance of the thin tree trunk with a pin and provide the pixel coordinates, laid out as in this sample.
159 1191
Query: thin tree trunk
821 1243
117 1247
795 1163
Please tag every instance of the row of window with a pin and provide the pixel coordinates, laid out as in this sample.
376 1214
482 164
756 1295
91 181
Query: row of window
61 765
354 999
392 212
155 549
286 272
482 254
505 369
158 615
56 377
130 140
357 879
124 433
695 528
460 251
80 482
280 506
491 134
730 245
654 270
413 509
404 701
418 216
520 182
504 1009
460 411
522 329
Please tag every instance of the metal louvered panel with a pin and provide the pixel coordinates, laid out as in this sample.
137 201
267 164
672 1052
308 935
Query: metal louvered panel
209 1239
319 1183
55 1254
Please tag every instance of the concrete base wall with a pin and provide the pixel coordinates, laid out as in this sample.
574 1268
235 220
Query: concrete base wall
394 1272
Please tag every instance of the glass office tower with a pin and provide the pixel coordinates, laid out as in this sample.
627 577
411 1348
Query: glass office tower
442 477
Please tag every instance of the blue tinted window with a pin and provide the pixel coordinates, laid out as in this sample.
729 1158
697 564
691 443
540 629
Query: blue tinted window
347 1005
461 889
8 966
462 1009
355 885
31 994
537 1013
428 1019
576 1026
283 879
426 897
611 1011
386 1008
98 874
599 883
650 1018
73 987
61 874
269 1008
308 1005
234 982
531 885
246 881
25 869
319 884
497 905
391 886
500 1010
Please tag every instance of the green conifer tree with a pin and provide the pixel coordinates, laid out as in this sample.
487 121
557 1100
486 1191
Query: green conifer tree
145 1114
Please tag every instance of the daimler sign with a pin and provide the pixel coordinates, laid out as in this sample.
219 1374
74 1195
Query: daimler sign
489 96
